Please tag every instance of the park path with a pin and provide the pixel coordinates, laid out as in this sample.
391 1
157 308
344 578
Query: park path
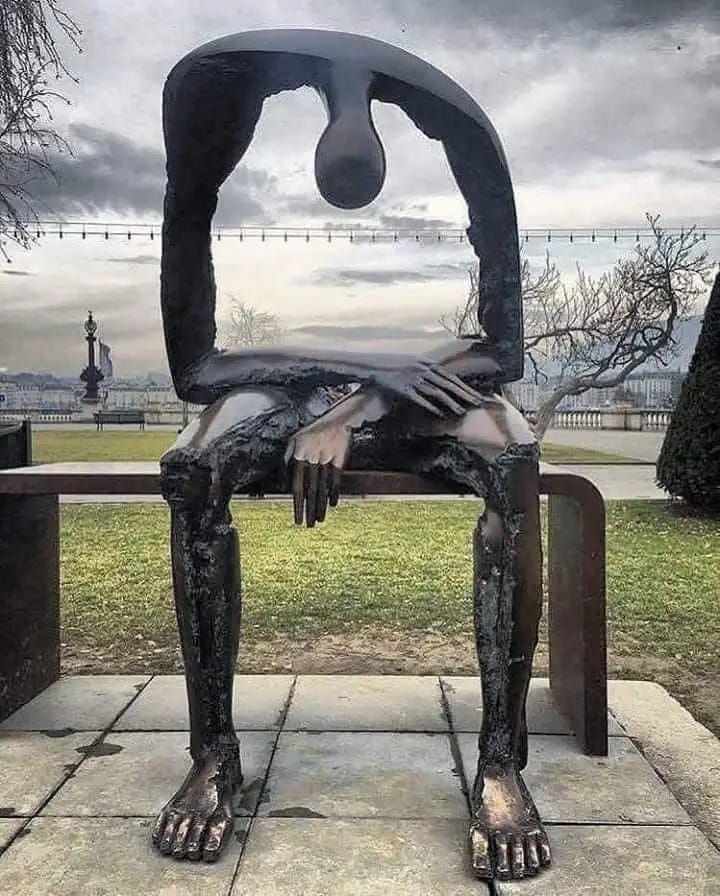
636 445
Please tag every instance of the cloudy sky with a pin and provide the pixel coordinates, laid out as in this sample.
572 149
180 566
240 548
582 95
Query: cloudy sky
607 109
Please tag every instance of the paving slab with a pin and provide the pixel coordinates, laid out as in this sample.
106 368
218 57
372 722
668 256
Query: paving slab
366 703
364 775
614 860
356 857
136 773
8 829
258 703
464 698
568 786
106 857
80 702
33 764
683 751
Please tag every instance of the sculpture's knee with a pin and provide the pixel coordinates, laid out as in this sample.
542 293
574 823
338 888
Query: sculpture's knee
184 485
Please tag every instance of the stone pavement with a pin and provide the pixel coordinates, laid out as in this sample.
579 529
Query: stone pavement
643 446
355 785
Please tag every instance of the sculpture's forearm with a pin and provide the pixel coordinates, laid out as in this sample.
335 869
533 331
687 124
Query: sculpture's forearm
296 368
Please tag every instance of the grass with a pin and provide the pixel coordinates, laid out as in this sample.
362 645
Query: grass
399 567
53 446
50 446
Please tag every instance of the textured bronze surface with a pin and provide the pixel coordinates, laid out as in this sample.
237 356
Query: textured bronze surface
271 425
15 444
29 598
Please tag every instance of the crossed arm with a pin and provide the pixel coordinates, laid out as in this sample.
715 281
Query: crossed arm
317 454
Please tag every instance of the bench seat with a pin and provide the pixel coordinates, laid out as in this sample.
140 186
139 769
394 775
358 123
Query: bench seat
30 592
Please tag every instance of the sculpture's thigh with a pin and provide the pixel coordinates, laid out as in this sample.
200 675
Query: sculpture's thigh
242 436
489 430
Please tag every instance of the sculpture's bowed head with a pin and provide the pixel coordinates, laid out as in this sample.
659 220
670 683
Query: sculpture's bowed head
349 159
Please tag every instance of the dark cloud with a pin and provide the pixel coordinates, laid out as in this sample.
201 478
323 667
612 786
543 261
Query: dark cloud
18 273
134 259
553 18
415 222
109 173
345 277
366 333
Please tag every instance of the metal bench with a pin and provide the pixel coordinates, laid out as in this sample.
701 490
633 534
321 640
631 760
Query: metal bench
30 566
121 416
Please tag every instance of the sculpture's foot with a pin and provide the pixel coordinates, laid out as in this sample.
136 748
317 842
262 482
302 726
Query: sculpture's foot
507 839
197 822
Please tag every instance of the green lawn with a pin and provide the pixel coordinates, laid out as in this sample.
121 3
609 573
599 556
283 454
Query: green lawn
87 445
388 567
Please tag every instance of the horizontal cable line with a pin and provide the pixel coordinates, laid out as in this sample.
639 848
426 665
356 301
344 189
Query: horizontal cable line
363 233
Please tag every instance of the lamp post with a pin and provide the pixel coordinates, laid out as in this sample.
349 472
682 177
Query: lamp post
91 376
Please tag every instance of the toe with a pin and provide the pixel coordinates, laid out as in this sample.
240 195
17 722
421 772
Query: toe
480 853
517 856
502 865
168 834
531 854
217 833
543 848
159 827
195 840
179 846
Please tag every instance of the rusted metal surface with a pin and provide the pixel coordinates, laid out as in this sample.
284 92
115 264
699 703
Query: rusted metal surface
29 598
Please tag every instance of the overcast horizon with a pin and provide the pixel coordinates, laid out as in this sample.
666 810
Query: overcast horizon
605 113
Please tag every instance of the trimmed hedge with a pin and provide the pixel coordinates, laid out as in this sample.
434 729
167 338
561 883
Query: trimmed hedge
689 463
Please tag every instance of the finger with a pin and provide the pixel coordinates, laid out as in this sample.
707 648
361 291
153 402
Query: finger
434 392
311 494
322 492
335 479
448 380
298 490
424 403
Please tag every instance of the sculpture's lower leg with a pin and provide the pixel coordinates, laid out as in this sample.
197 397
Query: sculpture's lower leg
198 819
506 837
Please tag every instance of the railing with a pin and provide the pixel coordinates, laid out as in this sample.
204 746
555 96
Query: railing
633 419
38 416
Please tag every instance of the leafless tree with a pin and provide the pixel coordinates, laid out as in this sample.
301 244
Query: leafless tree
30 64
596 332
243 324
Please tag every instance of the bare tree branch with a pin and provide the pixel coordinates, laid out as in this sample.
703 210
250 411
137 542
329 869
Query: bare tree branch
595 333
243 324
30 63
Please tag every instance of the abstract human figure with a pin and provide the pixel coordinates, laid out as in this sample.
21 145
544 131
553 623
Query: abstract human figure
268 419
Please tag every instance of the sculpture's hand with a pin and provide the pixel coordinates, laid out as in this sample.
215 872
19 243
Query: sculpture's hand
429 385
467 358
318 454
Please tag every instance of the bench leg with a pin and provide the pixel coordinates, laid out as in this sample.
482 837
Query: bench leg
576 611
29 598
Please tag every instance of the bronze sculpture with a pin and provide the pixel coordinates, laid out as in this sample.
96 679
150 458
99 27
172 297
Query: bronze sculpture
267 417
